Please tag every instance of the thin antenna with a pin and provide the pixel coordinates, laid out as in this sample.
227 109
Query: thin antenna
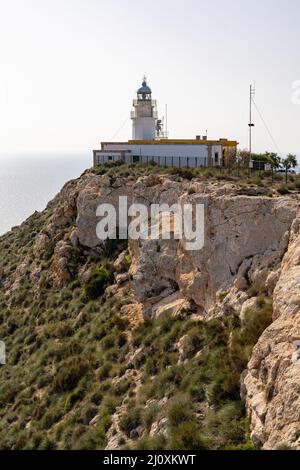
120 128
166 120
267 128
252 93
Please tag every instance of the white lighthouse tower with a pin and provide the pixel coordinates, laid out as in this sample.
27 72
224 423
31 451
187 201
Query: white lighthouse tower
144 114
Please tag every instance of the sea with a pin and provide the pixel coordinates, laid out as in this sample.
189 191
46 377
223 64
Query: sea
28 183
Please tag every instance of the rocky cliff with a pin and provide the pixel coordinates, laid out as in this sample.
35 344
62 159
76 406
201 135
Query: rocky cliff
271 383
107 343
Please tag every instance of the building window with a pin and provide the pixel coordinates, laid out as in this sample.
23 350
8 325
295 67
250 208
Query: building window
216 158
135 158
109 157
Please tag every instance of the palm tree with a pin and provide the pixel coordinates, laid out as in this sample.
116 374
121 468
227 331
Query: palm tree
289 162
273 158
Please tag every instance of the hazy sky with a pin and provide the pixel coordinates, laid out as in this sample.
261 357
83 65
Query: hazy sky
69 70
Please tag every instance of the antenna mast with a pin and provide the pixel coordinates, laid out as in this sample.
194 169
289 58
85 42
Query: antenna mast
166 129
252 93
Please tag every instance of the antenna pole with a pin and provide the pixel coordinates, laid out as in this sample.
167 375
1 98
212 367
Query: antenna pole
252 92
166 119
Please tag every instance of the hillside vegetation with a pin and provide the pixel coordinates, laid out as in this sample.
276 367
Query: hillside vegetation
85 371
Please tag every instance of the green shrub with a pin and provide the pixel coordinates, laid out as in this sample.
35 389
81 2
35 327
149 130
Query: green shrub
51 417
62 330
185 173
122 340
69 373
122 387
179 410
167 381
205 173
97 398
152 443
221 378
35 441
256 321
254 181
215 332
131 419
150 414
166 323
151 366
222 296
91 440
104 371
127 261
227 426
105 420
88 413
194 382
96 283
110 404
283 189
108 341
47 444
193 342
186 436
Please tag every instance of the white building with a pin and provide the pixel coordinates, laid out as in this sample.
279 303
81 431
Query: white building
149 143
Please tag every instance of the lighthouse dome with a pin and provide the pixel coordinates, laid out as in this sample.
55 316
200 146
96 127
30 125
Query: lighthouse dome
144 92
144 88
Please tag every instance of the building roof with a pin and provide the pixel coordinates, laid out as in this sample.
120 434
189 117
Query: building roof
223 142
113 151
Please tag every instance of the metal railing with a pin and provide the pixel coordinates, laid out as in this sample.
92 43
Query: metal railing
169 161
153 102
166 161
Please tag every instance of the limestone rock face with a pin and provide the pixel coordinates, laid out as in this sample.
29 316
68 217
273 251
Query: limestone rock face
60 264
272 382
245 238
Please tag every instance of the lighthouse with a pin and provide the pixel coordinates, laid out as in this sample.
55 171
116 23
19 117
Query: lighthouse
150 143
144 114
